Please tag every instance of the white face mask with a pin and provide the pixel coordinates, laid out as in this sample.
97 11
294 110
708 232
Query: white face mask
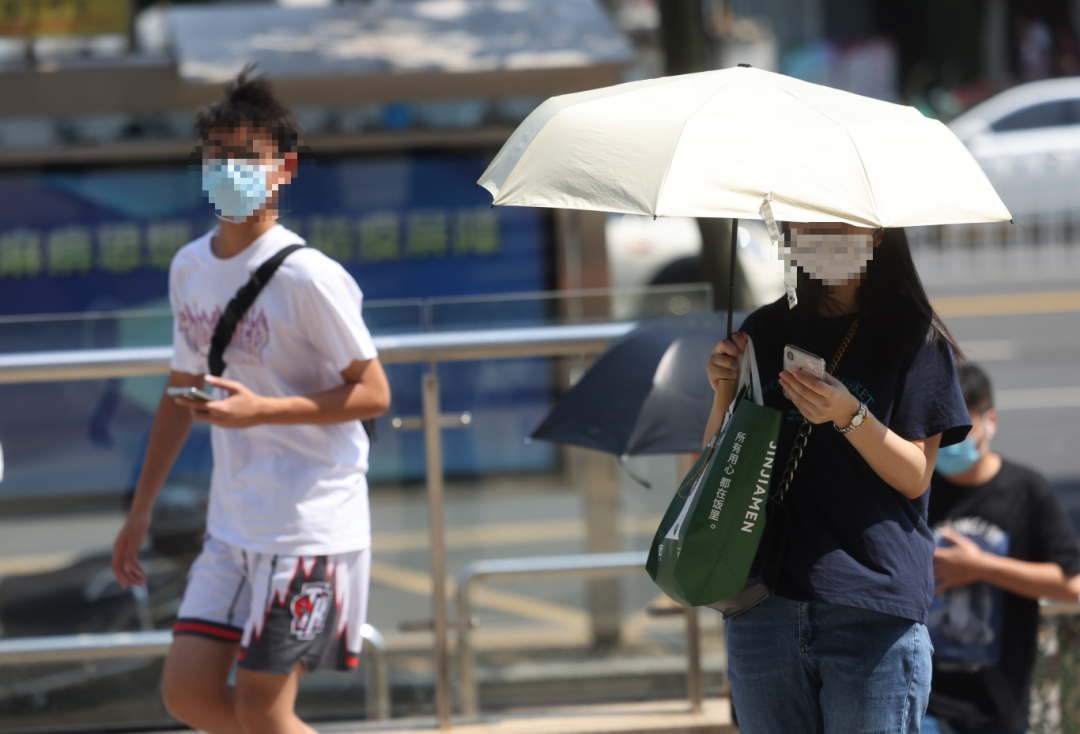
834 259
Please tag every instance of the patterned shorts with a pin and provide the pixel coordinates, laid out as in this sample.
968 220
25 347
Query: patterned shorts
281 609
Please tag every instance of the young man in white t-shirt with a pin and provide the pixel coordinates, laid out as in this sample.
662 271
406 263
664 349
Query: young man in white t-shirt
281 583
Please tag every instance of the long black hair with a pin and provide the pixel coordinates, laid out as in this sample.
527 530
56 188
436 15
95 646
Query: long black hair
897 310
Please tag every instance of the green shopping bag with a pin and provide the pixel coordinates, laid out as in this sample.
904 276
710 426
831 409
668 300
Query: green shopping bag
706 543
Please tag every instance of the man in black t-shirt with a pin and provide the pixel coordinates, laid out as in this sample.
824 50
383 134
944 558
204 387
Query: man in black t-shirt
1004 541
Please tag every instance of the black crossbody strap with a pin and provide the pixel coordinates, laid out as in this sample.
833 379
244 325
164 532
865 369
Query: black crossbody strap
798 446
239 305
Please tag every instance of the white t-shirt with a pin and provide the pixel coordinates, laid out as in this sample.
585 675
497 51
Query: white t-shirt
290 490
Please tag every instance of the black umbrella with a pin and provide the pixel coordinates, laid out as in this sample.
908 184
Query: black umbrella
646 394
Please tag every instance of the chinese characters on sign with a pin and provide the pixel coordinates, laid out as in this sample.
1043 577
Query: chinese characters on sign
122 247
388 236
20 253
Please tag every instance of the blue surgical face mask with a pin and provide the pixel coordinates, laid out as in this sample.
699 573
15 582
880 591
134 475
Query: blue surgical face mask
958 458
237 190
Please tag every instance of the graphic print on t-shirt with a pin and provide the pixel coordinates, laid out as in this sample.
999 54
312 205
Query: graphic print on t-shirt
248 342
860 391
966 621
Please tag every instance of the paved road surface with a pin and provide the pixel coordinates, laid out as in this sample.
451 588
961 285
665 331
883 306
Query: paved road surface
1029 342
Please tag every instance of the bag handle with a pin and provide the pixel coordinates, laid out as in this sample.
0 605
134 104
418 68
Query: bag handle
748 377
799 445
239 305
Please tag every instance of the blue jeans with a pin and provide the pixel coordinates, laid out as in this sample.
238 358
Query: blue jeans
817 668
933 725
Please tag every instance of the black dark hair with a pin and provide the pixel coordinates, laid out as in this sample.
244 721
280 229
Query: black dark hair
975 384
898 311
250 99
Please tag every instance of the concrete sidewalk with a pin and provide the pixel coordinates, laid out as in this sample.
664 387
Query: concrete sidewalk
648 717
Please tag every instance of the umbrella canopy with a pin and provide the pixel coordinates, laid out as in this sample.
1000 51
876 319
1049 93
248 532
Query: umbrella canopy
646 394
716 144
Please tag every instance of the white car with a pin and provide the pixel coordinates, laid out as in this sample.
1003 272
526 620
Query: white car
643 251
1027 140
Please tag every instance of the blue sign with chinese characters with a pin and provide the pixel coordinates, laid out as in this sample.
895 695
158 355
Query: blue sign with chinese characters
404 227
101 240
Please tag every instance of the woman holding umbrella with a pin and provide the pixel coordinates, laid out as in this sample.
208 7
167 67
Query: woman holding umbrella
843 645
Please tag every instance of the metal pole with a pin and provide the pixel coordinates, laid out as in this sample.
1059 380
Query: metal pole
601 492
694 683
143 612
377 682
467 690
731 275
434 456
132 38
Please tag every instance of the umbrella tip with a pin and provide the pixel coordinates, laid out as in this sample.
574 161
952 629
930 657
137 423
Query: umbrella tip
745 66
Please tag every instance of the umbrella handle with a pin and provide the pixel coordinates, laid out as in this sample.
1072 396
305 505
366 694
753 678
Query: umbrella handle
731 277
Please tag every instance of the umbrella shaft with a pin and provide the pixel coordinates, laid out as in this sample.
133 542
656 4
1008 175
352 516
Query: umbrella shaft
731 276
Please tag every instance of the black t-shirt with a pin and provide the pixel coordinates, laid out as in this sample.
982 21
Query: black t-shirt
852 538
1020 511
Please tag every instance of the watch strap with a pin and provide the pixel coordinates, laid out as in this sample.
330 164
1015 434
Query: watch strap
861 412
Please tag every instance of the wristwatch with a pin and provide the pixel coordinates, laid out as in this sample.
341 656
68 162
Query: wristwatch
857 420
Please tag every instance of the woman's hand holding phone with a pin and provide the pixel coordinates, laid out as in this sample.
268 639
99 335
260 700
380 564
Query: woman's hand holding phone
724 361
820 401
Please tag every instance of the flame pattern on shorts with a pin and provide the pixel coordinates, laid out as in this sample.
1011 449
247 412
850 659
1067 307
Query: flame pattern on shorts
290 576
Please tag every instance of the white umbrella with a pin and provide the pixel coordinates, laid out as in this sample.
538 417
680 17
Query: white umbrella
716 144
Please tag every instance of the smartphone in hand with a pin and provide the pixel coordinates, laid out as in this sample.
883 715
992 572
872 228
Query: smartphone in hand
189 393
795 357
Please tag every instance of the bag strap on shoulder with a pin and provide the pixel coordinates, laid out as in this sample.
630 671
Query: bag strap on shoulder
239 305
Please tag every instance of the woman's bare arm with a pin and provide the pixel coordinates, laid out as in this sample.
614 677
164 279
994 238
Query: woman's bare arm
906 466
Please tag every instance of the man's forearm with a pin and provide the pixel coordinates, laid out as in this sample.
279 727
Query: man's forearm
1023 578
349 402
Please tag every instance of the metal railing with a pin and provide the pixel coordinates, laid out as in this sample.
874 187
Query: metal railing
1052 608
1055 685
449 346
580 565
108 646
430 348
